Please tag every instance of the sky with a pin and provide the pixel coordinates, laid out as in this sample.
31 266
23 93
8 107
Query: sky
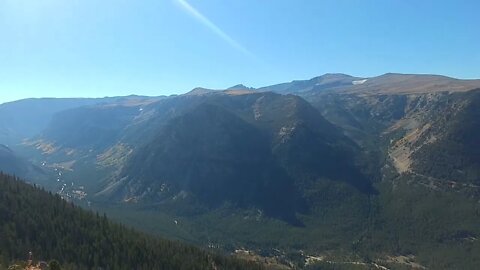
91 48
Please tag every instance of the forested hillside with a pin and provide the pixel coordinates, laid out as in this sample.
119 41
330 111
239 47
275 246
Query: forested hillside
34 220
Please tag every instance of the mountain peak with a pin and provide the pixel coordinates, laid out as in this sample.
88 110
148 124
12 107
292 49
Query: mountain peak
334 79
200 91
239 87
335 75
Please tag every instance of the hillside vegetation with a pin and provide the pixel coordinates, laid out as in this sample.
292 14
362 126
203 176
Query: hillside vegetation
34 220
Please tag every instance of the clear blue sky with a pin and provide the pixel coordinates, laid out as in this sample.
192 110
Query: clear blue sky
89 48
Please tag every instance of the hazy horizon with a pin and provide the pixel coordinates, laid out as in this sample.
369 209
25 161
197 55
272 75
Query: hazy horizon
54 48
199 86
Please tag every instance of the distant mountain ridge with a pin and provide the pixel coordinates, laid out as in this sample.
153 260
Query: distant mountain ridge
328 81
26 118
389 83
11 163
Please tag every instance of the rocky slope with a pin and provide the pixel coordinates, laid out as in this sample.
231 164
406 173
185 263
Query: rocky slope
250 149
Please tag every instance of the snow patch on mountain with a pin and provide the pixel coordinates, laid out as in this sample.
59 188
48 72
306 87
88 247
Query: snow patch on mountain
359 82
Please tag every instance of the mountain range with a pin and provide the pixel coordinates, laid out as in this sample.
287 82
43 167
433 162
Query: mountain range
370 170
